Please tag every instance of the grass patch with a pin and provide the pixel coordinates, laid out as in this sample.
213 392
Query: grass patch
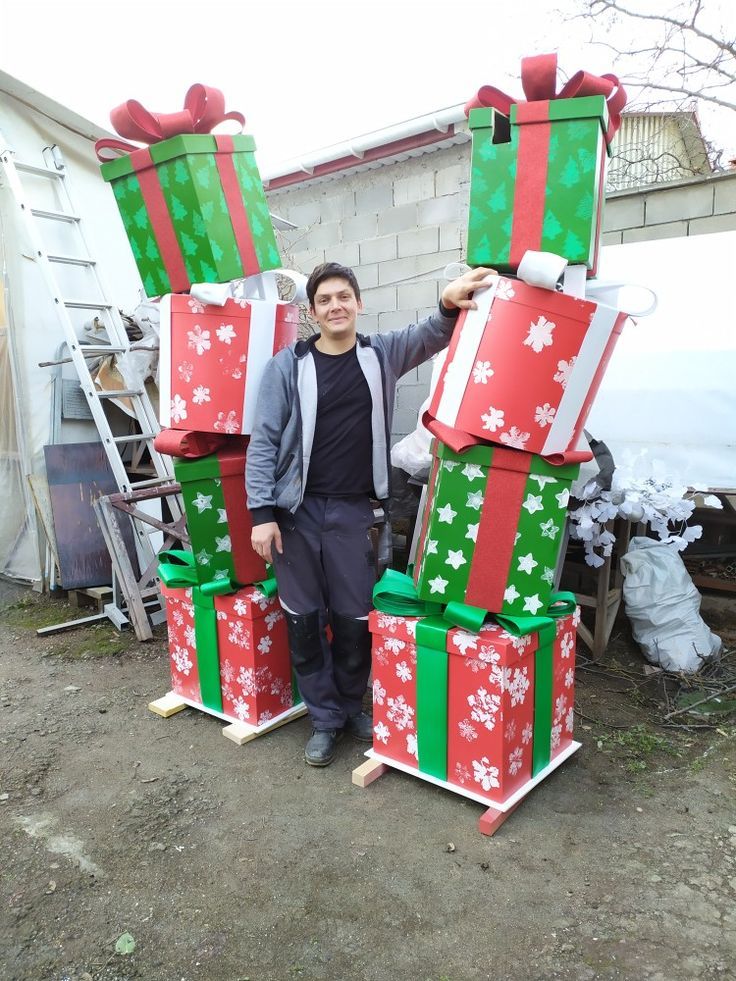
635 747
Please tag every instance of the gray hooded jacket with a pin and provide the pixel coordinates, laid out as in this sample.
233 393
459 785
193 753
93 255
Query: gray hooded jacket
281 443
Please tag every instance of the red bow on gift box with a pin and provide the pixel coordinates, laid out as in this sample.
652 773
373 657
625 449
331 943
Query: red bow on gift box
204 108
539 81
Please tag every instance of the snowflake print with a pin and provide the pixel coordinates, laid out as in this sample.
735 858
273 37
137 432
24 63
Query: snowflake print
564 370
386 622
265 644
185 370
505 289
483 708
464 641
526 733
238 635
569 678
511 730
540 334
566 645
555 735
462 773
380 655
516 683
544 415
515 761
569 720
180 657
485 774
576 617
489 655
226 333
518 643
467 730
221 615
379 692
190 636
195 305
178 617
200 395
493 419
515 438
229 423
247 681
199 340
382 732
259 598
240 607
560 706
273 618
227 692
403 671
241 708
482 372
178 409
394 645
227 672
411 627
411 745
264 717
400 712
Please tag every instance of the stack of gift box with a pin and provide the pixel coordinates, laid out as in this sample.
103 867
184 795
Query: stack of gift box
473 661
195 213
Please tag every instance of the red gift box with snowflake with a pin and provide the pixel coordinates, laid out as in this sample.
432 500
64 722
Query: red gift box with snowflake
522 370
212 360
229 654
485 712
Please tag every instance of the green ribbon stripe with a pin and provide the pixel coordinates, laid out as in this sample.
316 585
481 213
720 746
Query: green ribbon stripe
177 569
138 228
207 518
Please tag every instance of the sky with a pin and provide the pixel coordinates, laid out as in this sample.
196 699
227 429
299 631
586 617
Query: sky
305 74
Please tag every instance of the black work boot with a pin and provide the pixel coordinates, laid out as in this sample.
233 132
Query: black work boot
360 726
320 750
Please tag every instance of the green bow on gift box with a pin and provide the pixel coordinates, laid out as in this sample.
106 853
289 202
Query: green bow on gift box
396 594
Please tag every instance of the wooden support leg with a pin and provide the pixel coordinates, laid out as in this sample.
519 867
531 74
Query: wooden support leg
491 820
367 772
169 704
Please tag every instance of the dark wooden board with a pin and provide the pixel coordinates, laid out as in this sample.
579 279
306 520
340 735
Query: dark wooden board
78 474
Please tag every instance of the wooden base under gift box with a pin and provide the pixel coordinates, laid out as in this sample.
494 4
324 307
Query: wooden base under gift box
492 819
237 732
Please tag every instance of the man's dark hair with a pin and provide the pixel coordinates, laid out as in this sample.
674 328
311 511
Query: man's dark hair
330 270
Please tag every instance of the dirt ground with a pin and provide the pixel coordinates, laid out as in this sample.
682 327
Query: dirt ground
232 863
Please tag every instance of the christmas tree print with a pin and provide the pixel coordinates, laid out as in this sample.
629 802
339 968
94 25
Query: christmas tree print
256 226
152 249
554 146
189 246
140 217
570 173
573 248
487 151
498 200
198 225
551 227
181 174
584 210
178 211
586 160
203 173
217 252
209 274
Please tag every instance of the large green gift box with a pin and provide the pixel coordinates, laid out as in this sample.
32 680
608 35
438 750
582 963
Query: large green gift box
542 189
492 529
194 210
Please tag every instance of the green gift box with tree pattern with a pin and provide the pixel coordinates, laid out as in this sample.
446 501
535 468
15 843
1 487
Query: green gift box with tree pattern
194 210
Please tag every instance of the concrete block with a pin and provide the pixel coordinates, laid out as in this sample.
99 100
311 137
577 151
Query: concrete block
678 203
396 319
359 228
449 179
724 195
399 270
368 323
397 219
650 233
418 294
418 187
408 400
346 254
335 207
374 198
322 236
424 374
379 300
452 235
306 261
626 212
367 276
612 238
303 214
716 223
424 312
379 249
437 211
419 242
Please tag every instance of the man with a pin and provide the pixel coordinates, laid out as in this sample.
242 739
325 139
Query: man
318 452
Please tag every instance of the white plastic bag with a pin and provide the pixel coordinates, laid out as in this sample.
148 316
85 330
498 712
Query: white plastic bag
663 607
412 452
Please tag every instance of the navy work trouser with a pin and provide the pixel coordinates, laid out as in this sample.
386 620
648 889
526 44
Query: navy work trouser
326 575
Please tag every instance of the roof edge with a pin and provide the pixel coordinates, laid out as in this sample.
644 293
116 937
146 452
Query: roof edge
48 107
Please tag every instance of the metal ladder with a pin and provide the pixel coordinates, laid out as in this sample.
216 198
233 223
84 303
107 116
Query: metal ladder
105 314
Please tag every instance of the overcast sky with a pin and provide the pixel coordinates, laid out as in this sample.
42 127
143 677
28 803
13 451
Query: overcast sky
305 74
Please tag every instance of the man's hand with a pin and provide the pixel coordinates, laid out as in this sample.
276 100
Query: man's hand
457 293
263 537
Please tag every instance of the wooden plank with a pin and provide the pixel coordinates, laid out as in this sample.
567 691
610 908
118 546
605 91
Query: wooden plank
367 772
240 733
491 820
168 705
58 628
126 574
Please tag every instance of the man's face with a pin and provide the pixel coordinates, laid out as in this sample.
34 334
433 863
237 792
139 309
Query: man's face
336 309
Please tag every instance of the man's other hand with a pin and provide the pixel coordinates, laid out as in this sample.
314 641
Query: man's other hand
457 293
263 537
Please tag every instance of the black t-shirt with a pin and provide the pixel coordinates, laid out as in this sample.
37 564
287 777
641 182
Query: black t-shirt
341 464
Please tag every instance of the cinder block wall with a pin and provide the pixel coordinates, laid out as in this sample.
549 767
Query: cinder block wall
399 225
